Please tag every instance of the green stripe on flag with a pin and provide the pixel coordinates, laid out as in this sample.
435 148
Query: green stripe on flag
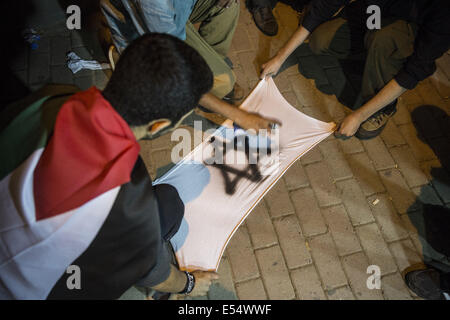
31 128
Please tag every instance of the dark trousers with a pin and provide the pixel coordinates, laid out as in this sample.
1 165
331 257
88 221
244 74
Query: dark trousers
385 50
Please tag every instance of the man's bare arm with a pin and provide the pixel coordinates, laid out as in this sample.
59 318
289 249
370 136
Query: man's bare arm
177 279
271 67
388 94
242 118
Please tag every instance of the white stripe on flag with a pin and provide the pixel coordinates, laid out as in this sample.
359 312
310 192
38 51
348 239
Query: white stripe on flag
35 254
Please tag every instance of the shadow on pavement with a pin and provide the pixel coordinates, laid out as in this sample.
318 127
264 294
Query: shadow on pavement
430 217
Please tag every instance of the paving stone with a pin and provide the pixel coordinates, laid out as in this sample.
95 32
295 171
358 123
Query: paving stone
442 84
292 99
241 256
327 261
308 212
409 166
397 188
322 183
39 70
296 177
341 230
375 247
278 200
425 122
318 112
251 290
59 48
413 232
405 254
337 163
292 242
223 288
304 90
333 107
388 220
394 287
421 150
391 135
283 83
343 293
260 227
355 202
429 94
248 64
379 154
307 284
441 146
355 266
427 194
352 145
402 116
241 41
411 98
365 174
275 274
312 156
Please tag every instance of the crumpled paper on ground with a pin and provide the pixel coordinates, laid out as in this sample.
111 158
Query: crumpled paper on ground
75 63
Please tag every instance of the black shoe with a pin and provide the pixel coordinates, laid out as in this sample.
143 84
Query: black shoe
373 126
265 21
425 282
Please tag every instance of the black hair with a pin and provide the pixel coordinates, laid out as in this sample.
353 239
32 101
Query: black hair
157 76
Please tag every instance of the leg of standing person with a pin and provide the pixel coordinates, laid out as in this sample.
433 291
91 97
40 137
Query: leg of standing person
213 40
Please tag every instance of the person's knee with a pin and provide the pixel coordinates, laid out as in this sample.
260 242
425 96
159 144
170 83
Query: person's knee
318 43
381 42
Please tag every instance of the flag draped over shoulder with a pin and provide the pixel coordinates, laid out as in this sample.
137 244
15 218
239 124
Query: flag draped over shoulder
61 170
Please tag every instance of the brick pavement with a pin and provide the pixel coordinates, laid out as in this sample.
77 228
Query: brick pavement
344 206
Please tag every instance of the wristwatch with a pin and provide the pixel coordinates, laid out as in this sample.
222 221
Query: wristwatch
190 284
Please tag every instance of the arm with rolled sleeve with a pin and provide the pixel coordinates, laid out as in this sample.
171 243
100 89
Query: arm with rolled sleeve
432 41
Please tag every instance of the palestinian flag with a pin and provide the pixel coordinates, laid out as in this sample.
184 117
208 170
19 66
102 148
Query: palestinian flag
73 190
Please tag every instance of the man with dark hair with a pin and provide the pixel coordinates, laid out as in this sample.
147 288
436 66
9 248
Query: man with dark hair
217 20
402 52
79 215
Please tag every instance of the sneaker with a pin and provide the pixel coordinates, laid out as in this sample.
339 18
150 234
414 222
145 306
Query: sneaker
373 126
424 281
265 20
